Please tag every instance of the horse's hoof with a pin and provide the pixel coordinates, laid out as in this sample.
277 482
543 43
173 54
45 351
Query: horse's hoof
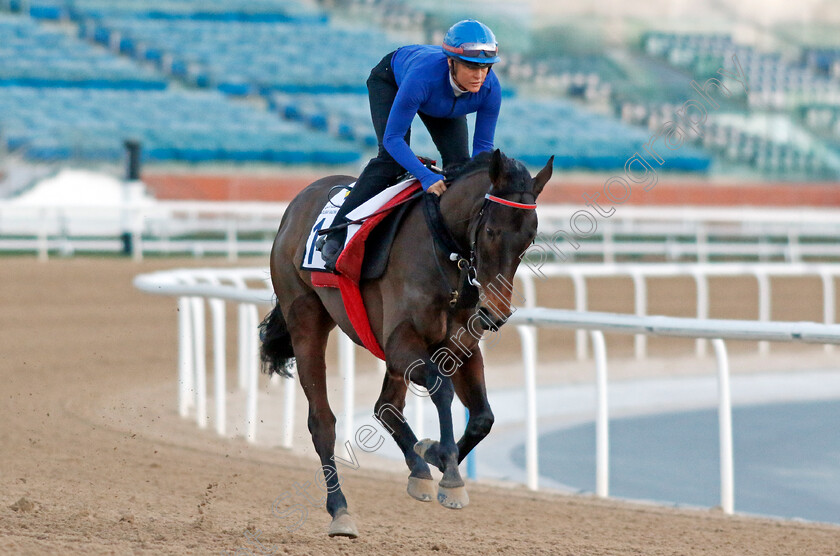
422 446
421 489
342 526
453 498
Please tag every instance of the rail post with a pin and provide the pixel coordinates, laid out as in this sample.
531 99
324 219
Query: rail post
763 304
640 294
529 358
217 310
579 281
185 357
253 376
829 302
727 481
199 360
602 422
701 281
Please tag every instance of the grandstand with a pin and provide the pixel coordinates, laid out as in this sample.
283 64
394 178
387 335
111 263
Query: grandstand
62 99
223 10
33 56
284 83
243 58
769 129
91 124
774 82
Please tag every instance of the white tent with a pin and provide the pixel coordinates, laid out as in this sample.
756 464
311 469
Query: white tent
75 202
83 188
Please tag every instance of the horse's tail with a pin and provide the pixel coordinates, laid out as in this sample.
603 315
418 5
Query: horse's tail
276 352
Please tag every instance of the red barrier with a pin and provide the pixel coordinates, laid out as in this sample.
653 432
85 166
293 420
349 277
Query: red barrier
278 187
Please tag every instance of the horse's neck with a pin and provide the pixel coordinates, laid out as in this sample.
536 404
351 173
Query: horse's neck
459 202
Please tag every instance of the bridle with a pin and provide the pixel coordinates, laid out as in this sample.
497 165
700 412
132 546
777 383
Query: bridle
505 202
467 294
479 221
481 214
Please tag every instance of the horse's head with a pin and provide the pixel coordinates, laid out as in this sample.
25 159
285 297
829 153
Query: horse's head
503 231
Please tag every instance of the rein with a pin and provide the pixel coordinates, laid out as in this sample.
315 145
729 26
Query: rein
468 292
427 162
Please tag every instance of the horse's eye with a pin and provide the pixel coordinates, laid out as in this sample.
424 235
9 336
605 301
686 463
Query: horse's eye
490 232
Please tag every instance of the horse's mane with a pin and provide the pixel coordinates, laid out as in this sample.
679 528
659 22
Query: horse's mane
481 161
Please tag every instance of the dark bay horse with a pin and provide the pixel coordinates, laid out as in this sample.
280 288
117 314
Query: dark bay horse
489 209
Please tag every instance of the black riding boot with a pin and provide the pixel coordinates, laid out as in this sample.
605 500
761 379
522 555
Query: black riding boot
330 246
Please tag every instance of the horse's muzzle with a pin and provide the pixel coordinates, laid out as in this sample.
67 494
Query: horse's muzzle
488 321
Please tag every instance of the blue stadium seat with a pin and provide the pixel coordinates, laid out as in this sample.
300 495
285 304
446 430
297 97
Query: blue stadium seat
56 124
37 57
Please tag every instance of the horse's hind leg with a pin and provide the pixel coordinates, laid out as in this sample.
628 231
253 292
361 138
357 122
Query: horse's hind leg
389 411
407 354
309 326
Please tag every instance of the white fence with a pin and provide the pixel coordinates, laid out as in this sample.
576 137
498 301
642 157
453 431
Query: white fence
192 287
194 228
701 234
579 274
232 229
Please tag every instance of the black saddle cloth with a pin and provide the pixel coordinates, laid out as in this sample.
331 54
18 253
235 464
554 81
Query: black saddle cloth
379 242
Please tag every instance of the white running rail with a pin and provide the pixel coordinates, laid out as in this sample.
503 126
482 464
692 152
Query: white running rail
195 228
531 272
233 228
232 285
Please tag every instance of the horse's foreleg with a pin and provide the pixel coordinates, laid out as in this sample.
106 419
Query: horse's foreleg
409 357
309 326
389 411
471 390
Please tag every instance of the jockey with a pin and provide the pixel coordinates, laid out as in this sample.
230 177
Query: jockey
440 83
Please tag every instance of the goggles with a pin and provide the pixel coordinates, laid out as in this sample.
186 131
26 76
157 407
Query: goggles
474 50
475 65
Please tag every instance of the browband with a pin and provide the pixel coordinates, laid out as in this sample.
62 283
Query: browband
509 203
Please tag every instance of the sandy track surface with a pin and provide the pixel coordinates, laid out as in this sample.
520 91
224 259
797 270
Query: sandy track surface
89 466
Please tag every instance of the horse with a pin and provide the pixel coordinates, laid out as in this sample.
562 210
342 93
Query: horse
415 314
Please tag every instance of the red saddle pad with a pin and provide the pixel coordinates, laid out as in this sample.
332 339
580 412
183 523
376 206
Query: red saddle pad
349 267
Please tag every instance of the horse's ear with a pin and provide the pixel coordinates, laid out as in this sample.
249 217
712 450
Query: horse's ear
543 176
498 162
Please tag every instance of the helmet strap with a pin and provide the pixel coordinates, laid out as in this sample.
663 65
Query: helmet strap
452 63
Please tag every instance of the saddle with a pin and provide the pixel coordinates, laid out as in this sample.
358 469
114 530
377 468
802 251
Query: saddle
365 255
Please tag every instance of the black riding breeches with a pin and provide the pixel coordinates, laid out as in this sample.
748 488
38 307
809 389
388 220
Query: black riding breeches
450 136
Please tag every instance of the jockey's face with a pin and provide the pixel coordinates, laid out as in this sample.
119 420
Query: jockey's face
469 76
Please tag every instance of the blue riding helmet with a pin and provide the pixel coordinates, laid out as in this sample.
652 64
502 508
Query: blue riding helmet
471 41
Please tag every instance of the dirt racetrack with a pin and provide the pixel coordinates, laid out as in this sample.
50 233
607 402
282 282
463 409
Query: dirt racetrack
77 476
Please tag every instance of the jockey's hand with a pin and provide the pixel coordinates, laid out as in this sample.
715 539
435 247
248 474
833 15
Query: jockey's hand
437 188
